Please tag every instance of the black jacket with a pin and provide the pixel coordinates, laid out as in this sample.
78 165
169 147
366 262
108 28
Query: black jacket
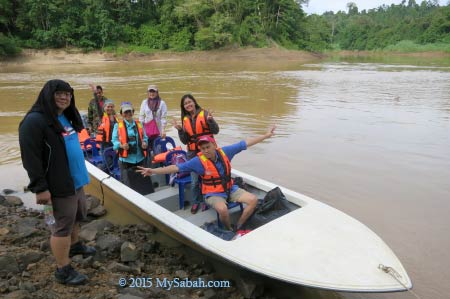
42 146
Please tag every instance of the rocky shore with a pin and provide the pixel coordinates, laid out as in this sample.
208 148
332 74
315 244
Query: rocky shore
129 252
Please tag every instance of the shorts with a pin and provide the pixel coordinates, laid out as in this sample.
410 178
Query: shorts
68 210
212 200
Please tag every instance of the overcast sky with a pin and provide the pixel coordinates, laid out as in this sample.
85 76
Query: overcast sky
321 6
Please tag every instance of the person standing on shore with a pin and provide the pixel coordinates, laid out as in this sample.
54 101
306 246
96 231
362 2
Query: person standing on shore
196 122
95 109
52 156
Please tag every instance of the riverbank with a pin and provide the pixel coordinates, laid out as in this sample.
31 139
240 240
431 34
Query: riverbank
257 55
126 251
74 56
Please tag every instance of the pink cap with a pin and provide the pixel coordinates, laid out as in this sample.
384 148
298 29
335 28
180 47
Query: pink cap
204 139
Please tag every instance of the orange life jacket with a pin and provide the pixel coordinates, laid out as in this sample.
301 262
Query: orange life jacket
212 181
104 129
161 157
82 136
201 128
123 137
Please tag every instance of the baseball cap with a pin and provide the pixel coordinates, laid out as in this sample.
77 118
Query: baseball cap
126 106
107 102
204 139
152 87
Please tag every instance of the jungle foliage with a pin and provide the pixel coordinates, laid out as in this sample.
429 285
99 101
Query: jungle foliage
404 26
183 25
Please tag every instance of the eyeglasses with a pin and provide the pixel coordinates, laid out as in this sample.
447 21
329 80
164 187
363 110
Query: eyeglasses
63 94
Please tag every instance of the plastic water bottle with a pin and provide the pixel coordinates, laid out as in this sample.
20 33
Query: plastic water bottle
49 218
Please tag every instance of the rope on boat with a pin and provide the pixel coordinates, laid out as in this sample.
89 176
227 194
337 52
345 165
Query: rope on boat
391 271
101 188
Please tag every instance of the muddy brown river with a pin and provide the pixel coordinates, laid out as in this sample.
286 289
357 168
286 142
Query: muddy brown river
370 138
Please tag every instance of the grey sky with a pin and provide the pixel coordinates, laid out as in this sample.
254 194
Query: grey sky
320 6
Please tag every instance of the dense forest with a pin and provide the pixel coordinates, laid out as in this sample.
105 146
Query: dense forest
183 25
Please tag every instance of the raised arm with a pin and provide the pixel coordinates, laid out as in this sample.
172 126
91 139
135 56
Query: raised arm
161 170
254 140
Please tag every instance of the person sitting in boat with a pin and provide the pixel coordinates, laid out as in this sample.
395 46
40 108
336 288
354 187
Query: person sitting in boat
196 122
95 108
130 141
105 129
213 166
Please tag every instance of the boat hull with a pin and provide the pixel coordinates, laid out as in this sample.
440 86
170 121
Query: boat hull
315 245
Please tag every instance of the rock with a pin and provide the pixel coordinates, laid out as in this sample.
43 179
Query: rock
128 252
30 221
31 267
13 281
111 243
23 229
128 296
29 257
209 293
3 231
44 245
4 285
91 202
151 246
133 292
8 191
181 274
77 258
87 261
145 228
89 231
97 211
13 201
135 269
99 224
27 286
248 287
118 267
20 294
9 264
88 234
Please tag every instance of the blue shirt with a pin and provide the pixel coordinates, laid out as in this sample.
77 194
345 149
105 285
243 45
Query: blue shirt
196 166
133 134
75 155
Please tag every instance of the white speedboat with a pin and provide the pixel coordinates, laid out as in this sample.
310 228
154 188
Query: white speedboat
313 245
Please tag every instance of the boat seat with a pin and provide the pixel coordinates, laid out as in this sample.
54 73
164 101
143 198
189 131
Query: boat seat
92 153
111 162
230 206
182 182
160 145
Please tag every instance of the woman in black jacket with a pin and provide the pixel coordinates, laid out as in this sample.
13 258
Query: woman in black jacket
52 156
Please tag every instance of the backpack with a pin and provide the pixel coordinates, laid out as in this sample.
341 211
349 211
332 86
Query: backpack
176 159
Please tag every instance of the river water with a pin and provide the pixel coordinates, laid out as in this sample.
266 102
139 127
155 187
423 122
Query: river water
370 138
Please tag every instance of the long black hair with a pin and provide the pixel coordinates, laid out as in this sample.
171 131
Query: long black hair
46 104
183 111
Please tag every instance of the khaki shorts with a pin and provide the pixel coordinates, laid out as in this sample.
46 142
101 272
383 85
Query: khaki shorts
68 210
212 200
